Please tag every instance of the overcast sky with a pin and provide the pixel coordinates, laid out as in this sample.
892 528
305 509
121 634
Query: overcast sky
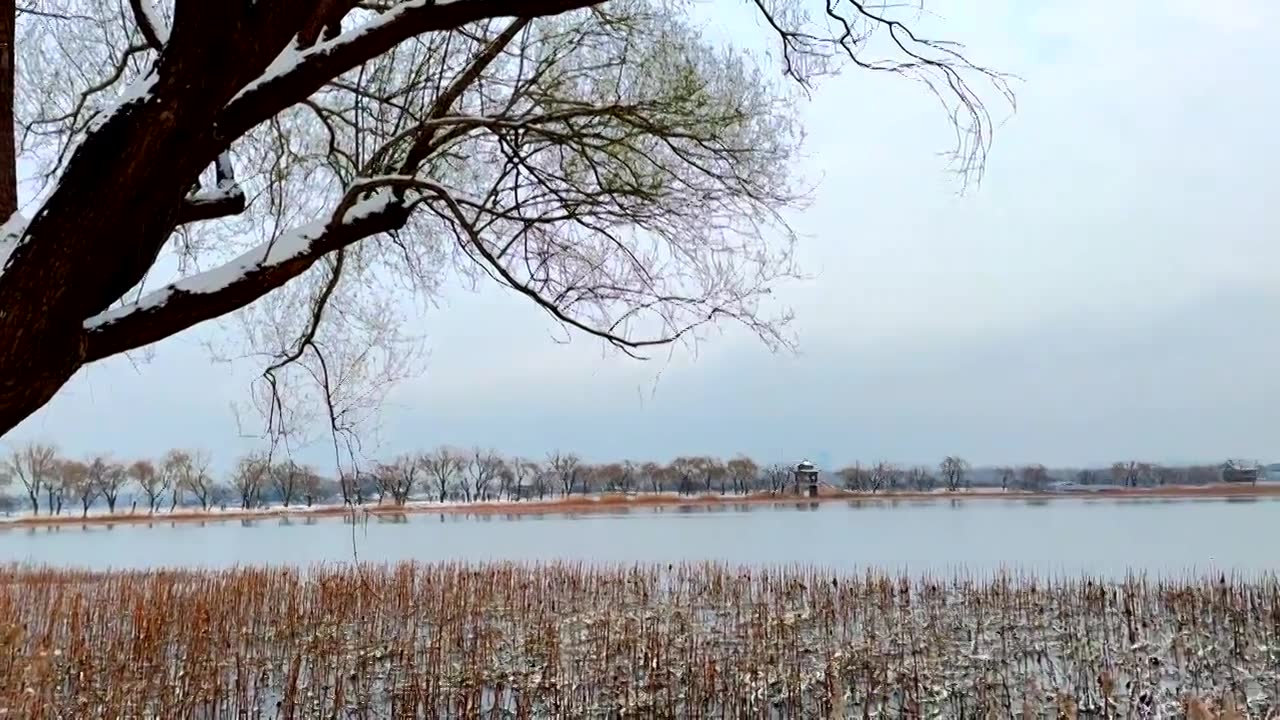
1109 291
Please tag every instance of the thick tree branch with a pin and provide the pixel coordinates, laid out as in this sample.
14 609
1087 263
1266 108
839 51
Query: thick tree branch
8 157
149 24
216 292
211 206
316 66
226 199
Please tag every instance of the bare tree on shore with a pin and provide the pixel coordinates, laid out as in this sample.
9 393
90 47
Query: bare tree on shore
954 471
443 467
152 481
655 475
518 474
110 478
776 476
285 477
74 477
743 471
482 469
399 477
884 474
854 477
566 468
687 470
35 466
249 478
190 472
1034 477
921 478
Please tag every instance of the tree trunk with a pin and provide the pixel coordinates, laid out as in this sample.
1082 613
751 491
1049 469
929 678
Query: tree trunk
35 502
8 158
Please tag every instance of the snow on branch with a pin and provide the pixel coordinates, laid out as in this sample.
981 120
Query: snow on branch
226 198
150 24
290 245
367 208
298 73
10 232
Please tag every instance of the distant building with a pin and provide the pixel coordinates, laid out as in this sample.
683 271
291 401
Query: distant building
1239 471
806 474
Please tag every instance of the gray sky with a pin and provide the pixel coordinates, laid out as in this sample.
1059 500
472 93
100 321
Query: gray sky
1107 292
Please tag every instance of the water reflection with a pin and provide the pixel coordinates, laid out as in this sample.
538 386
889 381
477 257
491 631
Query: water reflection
898 534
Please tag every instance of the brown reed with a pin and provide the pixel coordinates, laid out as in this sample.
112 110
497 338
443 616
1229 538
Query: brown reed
565 640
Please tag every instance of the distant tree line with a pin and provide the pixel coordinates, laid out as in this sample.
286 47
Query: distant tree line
37 476
954 473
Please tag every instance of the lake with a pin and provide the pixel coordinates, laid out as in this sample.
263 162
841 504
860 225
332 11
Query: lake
1103 537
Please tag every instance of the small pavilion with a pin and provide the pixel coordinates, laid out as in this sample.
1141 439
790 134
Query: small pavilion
806 474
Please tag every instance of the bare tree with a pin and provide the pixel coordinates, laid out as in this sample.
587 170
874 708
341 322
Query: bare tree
249 478
482 469
153 482
883 475
743 471
443 467
713 475
1167 475
855 477
311 485
686 470
74 477
1127 473
615 477
921 478
399 478
1202 474
190 472
954 471
655 474
285 477
1008 474
603 160
1088 476
109 477
776 476
516 474
543 479
1034 477
35 466
566 468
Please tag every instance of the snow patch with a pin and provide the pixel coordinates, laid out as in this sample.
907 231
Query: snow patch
210 197
137 91
156 22
10 232
288 246
292 56
377 202
292 244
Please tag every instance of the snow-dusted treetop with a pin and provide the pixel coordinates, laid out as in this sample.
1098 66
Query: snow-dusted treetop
303 161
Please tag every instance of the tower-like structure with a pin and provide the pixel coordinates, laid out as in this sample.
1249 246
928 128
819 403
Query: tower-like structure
806 474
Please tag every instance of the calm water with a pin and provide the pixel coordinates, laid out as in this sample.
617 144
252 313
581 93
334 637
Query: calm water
1063 536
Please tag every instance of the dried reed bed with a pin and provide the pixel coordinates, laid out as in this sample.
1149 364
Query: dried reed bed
561 640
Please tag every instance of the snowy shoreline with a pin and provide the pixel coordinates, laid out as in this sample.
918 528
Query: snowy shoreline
602 502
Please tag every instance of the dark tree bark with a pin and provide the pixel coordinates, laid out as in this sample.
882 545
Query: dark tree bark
8 158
